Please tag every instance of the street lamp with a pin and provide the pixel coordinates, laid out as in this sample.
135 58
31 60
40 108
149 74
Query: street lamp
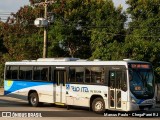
43 22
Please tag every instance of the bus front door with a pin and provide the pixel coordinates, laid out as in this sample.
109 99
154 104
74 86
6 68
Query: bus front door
60 90
115 92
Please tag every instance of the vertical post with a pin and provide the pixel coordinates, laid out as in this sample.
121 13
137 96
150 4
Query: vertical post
45 32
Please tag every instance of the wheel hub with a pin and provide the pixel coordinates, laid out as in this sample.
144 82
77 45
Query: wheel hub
98 106
33 100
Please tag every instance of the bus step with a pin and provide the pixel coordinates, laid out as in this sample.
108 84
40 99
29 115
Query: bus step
60 104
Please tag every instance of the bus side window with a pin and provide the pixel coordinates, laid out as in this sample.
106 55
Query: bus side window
76 74
72 74
94 75
29 73
87 75
97 75
8 72
25 72
12 72
44 74
36 73
79 74
41 73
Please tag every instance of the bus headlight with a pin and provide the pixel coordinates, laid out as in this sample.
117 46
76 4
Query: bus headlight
133 100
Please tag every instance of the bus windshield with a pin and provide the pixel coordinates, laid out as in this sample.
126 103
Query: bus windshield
141 82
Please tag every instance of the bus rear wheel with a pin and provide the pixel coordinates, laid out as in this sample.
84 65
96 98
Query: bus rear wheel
98 105
33 99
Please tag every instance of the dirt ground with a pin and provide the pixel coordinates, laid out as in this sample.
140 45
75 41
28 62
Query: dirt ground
1 91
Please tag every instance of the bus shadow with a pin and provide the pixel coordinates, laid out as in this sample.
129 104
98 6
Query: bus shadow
8 102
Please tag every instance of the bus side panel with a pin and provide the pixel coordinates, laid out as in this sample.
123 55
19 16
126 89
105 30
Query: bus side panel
12 90
20 89
80 95
124 100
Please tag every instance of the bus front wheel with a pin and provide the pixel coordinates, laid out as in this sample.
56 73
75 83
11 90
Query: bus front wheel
33 99
98 105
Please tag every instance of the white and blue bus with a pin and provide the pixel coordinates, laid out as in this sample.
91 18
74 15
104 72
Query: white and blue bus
125 85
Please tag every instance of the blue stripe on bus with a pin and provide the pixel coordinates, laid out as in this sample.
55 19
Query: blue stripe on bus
12 86
140 101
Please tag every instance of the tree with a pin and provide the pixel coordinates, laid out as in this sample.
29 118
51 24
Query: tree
64 34
21 38
2 47
32 2
107 33
143 32
142 40
87 28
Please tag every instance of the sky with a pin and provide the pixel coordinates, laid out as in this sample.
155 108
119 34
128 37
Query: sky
8 6
122 2
12 5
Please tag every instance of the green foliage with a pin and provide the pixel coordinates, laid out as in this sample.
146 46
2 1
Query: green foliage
64 33
89 29
19 39
2 73
143 9
157 74
142 40
108 32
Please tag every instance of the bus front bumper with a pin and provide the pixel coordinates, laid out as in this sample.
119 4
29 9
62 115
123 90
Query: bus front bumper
137 107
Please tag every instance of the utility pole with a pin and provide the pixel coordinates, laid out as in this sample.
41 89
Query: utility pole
43 22
45 45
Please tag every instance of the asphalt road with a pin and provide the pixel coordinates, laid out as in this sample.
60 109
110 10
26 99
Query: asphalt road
12 108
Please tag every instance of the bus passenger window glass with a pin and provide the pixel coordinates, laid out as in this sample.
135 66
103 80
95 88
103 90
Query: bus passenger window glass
76 74
97 75
87 75
41 73
29 73
37 73
8 72
79 74
25 73
72 74
44 74
12 72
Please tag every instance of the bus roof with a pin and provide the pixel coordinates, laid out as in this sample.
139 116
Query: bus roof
71 61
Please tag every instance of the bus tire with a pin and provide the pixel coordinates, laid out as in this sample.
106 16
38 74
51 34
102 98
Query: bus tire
33 99
98 105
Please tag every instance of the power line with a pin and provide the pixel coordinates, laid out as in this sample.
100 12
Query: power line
107 33
3 19
134 35
4 14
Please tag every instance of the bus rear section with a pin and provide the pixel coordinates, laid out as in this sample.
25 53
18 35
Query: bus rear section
32 83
